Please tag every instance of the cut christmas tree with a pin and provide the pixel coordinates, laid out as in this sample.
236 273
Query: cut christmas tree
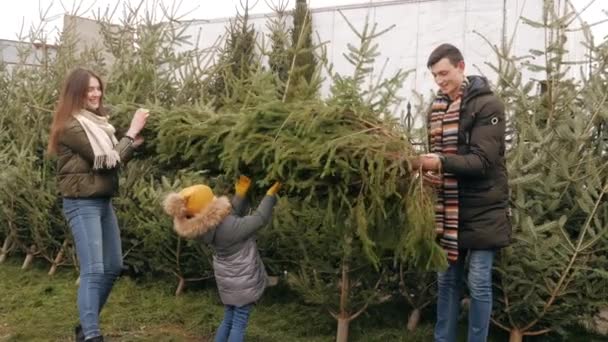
553 275
349 203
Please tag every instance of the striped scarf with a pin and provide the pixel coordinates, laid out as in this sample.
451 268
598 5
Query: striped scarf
443 138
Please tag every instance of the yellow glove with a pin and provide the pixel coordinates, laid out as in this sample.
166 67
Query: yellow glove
274 189
241 187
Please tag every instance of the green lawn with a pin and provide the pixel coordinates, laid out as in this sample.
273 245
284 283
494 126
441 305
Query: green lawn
36 307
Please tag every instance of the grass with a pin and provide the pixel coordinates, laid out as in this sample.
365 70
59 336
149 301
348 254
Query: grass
36 307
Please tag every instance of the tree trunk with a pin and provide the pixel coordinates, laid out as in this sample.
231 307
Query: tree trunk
29 257
58 258
413 320
5 246
180 286
516 336
344 316
342 329
77 282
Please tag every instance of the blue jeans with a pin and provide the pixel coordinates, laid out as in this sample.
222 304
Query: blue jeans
449 292
97 239
234 324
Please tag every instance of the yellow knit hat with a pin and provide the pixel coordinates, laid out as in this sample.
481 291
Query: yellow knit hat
197 198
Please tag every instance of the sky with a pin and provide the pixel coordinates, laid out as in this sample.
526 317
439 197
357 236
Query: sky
22 15
28 13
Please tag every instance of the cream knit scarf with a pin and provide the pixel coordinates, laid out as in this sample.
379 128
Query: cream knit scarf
101 137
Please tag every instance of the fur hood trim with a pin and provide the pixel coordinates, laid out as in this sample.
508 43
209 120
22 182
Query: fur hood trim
199 224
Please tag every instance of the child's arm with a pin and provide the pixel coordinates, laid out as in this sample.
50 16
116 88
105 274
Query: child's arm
246 226
239 205
238 200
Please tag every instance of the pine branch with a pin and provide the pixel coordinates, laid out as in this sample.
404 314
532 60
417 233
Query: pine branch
538 332
573 259
597 112
369 299
295 55
498 324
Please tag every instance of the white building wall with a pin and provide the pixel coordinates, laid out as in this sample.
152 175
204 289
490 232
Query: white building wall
24 53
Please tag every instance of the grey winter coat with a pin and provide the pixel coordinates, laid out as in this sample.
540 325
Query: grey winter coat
239 271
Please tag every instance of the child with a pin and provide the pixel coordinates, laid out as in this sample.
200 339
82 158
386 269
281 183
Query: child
237 265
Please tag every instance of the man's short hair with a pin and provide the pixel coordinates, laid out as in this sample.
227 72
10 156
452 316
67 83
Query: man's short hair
448 51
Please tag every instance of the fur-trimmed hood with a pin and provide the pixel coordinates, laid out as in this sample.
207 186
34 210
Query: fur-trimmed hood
199 224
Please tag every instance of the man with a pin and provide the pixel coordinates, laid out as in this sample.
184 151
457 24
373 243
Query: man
466 131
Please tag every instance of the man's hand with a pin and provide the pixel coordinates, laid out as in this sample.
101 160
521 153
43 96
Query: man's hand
431 178
426 162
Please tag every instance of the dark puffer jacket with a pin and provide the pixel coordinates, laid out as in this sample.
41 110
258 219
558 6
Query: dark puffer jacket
480 168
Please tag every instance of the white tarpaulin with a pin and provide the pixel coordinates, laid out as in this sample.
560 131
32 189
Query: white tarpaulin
420 26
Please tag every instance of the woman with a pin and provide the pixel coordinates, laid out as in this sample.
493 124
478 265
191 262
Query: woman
89 157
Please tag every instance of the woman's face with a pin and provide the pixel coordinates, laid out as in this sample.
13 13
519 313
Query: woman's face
94 94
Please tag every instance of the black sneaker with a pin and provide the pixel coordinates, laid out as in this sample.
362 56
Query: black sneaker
78 333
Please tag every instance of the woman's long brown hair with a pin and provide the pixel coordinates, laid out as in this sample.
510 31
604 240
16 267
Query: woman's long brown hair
72 100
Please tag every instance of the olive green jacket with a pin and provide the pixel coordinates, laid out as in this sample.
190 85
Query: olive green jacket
75 172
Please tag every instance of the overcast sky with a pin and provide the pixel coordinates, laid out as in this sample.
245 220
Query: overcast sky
25 13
